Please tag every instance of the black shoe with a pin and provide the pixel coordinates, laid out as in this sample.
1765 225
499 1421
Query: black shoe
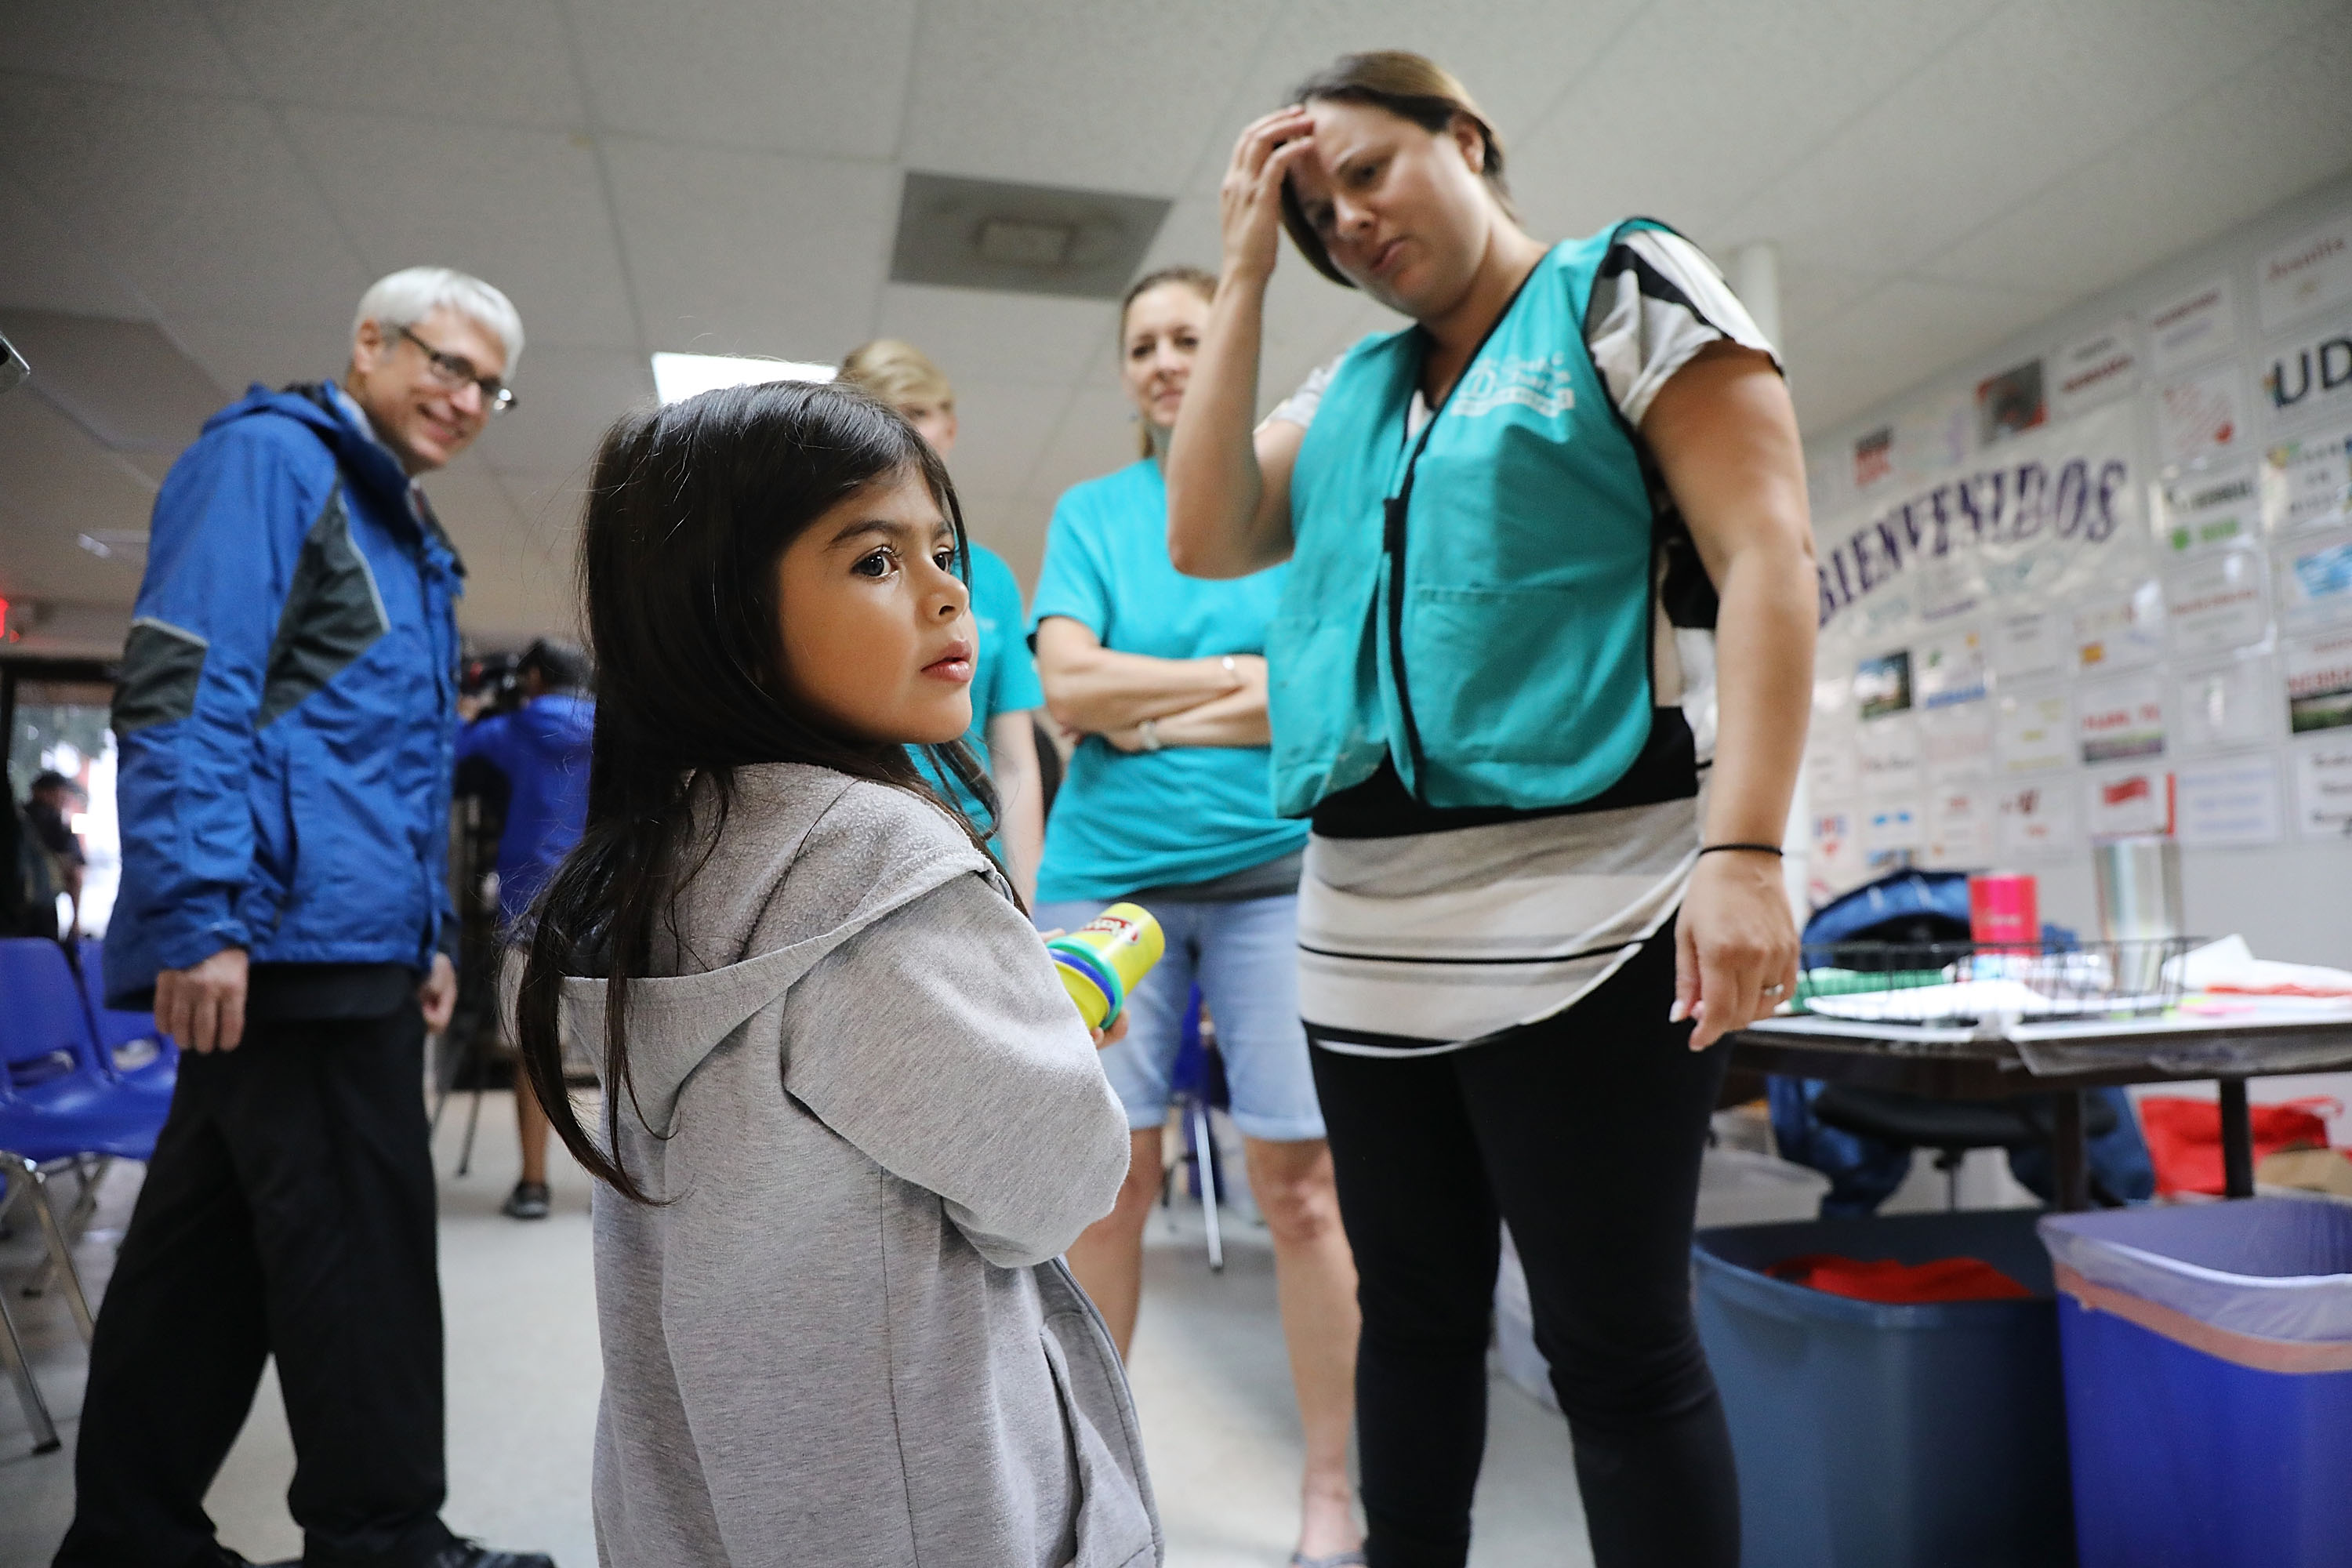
528 1201
462 1554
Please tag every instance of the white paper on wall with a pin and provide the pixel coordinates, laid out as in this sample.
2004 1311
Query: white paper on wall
2119 803
2026 647
2319 683
2229 800
1949 670
2034 732
2205 508
2120 719
1837 862
2307 482
2121 627
2307 273
2039 819
1889 753
2311 373
2093 369
2217 602
2190 326
1958 742
2323 788
2314 580
1890 826
1962 827
2224 706
2198 415
1832 771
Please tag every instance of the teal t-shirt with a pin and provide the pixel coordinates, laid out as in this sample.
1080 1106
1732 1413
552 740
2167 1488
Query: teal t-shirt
1003 677
1151 819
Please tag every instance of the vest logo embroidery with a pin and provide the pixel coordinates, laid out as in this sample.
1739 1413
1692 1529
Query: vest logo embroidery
1542 384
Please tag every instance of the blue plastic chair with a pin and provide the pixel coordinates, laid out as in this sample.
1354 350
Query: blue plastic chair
121 1032
1195 1087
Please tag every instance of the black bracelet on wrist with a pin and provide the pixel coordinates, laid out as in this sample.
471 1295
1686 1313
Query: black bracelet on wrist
1771 850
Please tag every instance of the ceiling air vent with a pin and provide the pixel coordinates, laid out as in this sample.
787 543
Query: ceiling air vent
1022 239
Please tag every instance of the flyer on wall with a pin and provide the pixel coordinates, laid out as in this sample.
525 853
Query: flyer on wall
2314 580
2203 508
2126 802
2307 482
2028 646
1889 753
2035 731
2228 801
2190 326
1956 741
1951 670
1962 823
2118 719
2225 706
2093 369
1881 686
2311 373
2197 417
2323 788
2219 601
2121 628
2038 819
2011 404
2319 683
2307 273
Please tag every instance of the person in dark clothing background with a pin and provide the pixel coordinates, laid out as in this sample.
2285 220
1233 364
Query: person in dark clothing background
540 750
48 820
286 715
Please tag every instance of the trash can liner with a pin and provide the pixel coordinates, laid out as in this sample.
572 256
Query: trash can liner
2273 1269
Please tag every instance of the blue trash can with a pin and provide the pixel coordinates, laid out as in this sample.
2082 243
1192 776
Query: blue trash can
2208 1356
1887 1437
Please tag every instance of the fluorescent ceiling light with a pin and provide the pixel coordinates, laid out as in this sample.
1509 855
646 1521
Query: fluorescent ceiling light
677 376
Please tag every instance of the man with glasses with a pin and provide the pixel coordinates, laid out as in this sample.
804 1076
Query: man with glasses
286 715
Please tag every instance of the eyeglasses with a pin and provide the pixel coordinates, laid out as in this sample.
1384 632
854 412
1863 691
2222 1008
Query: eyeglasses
453 371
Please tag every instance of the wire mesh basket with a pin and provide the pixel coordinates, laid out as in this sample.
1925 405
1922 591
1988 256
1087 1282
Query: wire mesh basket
1966 983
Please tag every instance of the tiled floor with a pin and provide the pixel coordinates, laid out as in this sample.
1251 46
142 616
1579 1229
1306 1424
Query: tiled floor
1208 1374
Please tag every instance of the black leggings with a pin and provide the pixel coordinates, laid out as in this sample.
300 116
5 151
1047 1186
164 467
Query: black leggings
1583 1132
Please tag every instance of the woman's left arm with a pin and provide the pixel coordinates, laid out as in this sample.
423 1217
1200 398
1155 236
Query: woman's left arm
1725 437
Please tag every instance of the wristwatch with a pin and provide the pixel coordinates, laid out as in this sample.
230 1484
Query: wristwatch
1148 733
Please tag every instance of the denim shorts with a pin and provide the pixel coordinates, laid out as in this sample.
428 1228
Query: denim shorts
1245 957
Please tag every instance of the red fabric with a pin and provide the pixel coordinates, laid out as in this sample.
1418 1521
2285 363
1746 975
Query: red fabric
1901 1284
2184 1137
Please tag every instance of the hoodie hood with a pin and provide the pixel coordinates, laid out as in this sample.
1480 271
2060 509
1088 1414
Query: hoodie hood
806 859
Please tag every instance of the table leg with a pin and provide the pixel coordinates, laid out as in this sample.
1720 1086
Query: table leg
2070 1155
2237 1141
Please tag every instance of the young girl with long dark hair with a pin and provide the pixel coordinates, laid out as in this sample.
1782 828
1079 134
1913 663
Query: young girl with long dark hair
851 1119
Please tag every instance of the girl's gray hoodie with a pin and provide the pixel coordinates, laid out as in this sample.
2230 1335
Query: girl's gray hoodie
849 1338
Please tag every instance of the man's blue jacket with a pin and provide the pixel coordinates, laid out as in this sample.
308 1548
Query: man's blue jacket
285 712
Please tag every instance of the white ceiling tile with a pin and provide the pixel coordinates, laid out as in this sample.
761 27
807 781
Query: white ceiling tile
61 484
2017 103
238 353
42 267
803 79
564 402
1894 336
444 59
1811 293
2213 161
1000 426
1752 89
1134 89
136 43
524 209
198 202
733 252
974 335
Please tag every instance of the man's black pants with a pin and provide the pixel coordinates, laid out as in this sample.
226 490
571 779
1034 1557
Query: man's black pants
1583 1132
288 1211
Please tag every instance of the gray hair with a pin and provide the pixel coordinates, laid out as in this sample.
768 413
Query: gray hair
408 296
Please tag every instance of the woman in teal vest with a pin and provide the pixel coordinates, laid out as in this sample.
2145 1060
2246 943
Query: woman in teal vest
1163 676
1543 881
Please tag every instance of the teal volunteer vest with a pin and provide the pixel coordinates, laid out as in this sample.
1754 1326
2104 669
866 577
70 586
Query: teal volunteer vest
1476 602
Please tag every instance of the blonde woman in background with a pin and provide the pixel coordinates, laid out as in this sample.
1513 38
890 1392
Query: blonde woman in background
1004 691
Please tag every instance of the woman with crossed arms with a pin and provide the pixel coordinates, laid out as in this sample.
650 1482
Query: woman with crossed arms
1543 881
